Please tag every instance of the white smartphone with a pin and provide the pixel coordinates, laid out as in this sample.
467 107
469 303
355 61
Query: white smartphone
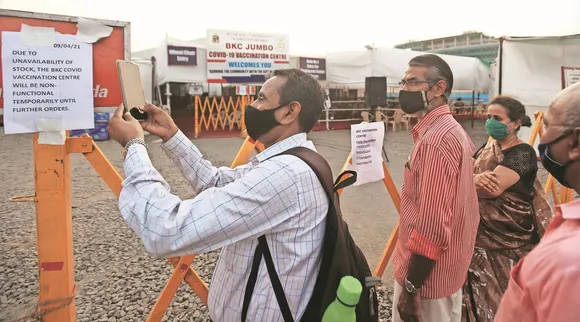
131 88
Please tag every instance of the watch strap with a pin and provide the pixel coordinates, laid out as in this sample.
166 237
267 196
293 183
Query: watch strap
131 143
411 288
135 141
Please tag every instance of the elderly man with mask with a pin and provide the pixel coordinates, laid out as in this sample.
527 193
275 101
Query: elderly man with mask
439 208
278 197
545 285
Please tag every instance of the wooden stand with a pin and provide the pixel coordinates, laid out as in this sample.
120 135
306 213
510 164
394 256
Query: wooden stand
54 233
566 194
54 224
182 264
394 194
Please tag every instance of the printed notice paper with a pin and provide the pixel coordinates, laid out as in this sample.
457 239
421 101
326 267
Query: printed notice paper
52 82
366 144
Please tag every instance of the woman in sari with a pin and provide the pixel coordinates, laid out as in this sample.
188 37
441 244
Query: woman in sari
512 206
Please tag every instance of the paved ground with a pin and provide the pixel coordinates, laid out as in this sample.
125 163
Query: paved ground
117 280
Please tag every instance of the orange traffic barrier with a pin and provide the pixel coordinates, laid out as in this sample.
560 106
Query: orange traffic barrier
394 194
54 228
182 264
563 194
219 113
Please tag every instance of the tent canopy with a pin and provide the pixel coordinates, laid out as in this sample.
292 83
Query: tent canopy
531 70
351 67
346 67
532 67
177 74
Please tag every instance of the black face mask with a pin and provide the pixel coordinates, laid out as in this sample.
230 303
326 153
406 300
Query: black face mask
413 101
259 122
556 169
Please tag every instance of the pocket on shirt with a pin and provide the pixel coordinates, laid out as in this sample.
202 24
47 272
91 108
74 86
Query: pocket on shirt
410 183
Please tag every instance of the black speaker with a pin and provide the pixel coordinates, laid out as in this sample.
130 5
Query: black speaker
376 91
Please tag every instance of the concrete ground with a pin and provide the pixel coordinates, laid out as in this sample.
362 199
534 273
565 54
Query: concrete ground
368 209
116 279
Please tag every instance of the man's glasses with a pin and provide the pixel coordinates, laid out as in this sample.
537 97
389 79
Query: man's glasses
414 82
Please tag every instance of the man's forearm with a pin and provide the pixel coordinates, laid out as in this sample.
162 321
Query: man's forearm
419 270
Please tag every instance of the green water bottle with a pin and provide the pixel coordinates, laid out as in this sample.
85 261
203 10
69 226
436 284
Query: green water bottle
343 308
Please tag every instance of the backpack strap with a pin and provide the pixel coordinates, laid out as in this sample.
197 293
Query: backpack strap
324 174
341 184
251 281
263 250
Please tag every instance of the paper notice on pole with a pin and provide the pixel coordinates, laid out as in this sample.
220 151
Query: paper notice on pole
366 144
47 82
49 131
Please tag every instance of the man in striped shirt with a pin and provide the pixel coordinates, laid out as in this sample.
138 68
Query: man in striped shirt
440 213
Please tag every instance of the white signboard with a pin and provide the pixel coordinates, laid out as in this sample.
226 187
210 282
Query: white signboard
238 57
366 145
571 76
47 87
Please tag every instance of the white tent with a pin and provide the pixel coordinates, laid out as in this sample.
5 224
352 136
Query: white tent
351 67
146 70
177 74
530 69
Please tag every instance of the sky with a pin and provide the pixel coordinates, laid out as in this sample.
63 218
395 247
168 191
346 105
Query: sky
320 26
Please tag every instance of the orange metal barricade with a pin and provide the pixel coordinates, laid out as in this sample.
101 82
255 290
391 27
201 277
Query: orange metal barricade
563 194
54 222
219 113
182 265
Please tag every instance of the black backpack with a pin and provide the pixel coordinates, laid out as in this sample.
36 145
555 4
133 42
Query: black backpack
340 255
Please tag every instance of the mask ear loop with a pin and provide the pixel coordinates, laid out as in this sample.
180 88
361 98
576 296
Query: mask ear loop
426 101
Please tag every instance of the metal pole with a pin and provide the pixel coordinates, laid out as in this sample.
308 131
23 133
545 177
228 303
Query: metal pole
472 108
500 66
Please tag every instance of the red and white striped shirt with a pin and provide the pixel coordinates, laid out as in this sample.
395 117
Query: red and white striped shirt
439 206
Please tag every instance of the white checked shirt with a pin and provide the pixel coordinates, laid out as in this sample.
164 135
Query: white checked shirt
280 197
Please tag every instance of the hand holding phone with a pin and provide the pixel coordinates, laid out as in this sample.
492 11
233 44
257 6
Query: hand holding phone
131 88
138 114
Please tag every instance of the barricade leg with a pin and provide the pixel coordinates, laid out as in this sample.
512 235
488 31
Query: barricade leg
182 264
394 193
113 180
54 233
565 194
182 269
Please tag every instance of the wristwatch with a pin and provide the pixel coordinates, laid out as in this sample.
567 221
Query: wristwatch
411 288
132 142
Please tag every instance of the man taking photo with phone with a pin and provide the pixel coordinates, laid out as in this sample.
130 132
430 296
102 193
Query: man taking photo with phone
279 197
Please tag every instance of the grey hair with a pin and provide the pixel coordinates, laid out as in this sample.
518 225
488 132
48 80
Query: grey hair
434 74
570 99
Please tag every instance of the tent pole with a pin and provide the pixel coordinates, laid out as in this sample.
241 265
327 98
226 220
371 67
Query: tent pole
472 108
500 66
168 94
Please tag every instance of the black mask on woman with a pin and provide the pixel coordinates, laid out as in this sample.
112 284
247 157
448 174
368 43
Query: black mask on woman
556 169
259 122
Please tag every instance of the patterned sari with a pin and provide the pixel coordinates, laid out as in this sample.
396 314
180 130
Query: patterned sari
510 226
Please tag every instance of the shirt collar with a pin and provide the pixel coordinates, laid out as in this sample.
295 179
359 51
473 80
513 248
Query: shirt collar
421 127
570 210
279 147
